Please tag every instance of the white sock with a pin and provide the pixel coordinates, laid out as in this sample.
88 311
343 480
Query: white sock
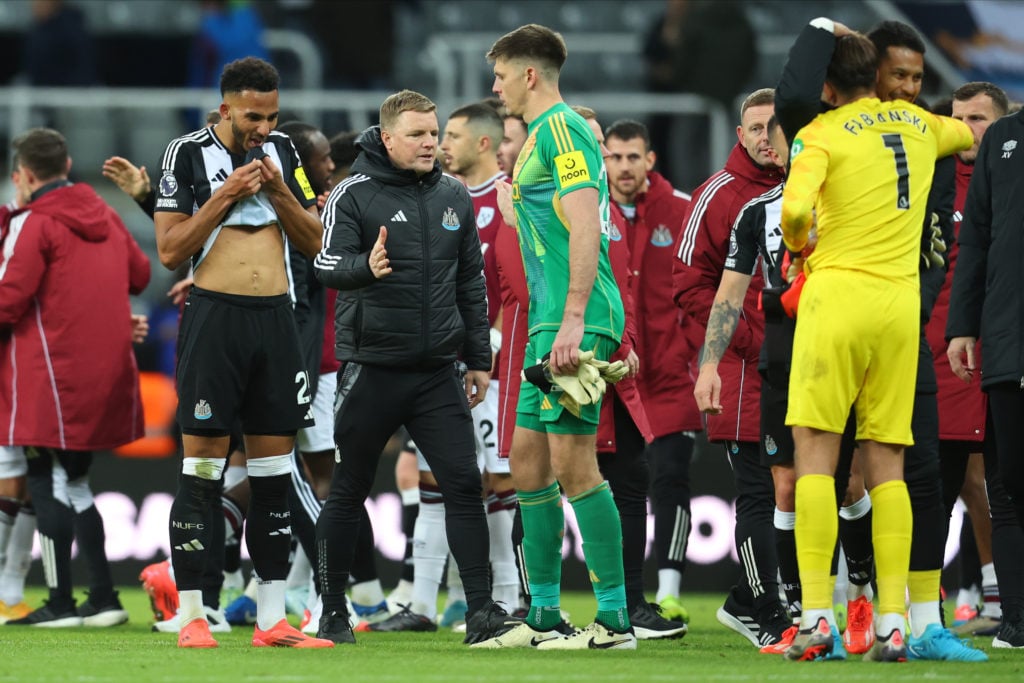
453 579
504 575
991 606
252 588
922 615
269 603
368 593
669 581
969 596
234 580
402 593
810 617
234 474
887 623
839 591
19 558
190 606
300 571
853 591
429 552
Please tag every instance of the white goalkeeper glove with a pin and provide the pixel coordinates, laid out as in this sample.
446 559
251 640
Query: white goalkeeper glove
934 246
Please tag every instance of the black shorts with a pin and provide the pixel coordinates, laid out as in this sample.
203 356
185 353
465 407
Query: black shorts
776 438
239 360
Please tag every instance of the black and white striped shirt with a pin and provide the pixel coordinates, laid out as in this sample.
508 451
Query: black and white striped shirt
196 165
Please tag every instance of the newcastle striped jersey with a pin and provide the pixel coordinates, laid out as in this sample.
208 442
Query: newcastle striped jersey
196 165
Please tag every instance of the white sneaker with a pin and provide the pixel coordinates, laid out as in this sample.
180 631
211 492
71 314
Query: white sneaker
215 617
523 635
593 637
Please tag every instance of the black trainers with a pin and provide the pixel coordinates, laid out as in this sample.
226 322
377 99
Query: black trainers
490 621
740 618
404 620
49 616
101 613
1011 633
649 624
334 626
774 622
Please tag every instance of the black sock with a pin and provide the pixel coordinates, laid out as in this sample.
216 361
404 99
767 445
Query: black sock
235 517
88 526
213 575
785 545
268 526
855 535
970 563
54 521
191 529
517 545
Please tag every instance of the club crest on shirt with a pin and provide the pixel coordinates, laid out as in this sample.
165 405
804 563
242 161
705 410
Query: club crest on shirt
1008 148
168 184
202 411
450 219
484 216
613 232
661 237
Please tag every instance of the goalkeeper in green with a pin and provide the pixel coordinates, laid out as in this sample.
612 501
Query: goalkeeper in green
560 199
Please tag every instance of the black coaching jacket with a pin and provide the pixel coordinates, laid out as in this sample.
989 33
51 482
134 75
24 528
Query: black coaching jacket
433 305
987 300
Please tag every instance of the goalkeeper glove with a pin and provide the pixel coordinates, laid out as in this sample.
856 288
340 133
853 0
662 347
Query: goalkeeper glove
584 387
610 372
933 246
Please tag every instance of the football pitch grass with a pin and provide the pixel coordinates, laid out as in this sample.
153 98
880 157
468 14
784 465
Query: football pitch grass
710 652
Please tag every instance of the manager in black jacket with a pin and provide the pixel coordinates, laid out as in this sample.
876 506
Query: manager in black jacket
401 244
987 300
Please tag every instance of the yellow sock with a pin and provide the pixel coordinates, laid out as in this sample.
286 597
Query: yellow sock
924 586
817 523
891 528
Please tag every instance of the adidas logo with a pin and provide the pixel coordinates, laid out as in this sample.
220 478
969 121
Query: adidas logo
284 531
220 176
191 546
399 217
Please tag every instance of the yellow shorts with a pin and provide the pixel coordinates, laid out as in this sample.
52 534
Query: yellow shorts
856 345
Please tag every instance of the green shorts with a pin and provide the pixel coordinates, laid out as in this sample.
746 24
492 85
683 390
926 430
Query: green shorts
542 412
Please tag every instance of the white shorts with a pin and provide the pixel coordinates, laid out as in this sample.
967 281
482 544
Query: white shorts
320 437
12 462
485 425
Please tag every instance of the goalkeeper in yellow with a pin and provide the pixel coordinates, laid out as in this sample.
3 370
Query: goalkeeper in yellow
861 173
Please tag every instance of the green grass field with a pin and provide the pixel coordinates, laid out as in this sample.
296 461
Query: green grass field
709 653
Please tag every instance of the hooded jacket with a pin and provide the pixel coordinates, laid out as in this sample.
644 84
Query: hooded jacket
696 274
434 302
667 341
68 377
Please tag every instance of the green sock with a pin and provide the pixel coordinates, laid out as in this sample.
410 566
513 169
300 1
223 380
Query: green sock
543 529
601 528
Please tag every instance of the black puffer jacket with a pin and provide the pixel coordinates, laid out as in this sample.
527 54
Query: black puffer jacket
433 305
987 300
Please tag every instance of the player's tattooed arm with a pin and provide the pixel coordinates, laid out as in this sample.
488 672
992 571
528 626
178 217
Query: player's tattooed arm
721 326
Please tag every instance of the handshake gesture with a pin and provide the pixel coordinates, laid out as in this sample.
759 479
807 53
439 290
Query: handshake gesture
584 387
